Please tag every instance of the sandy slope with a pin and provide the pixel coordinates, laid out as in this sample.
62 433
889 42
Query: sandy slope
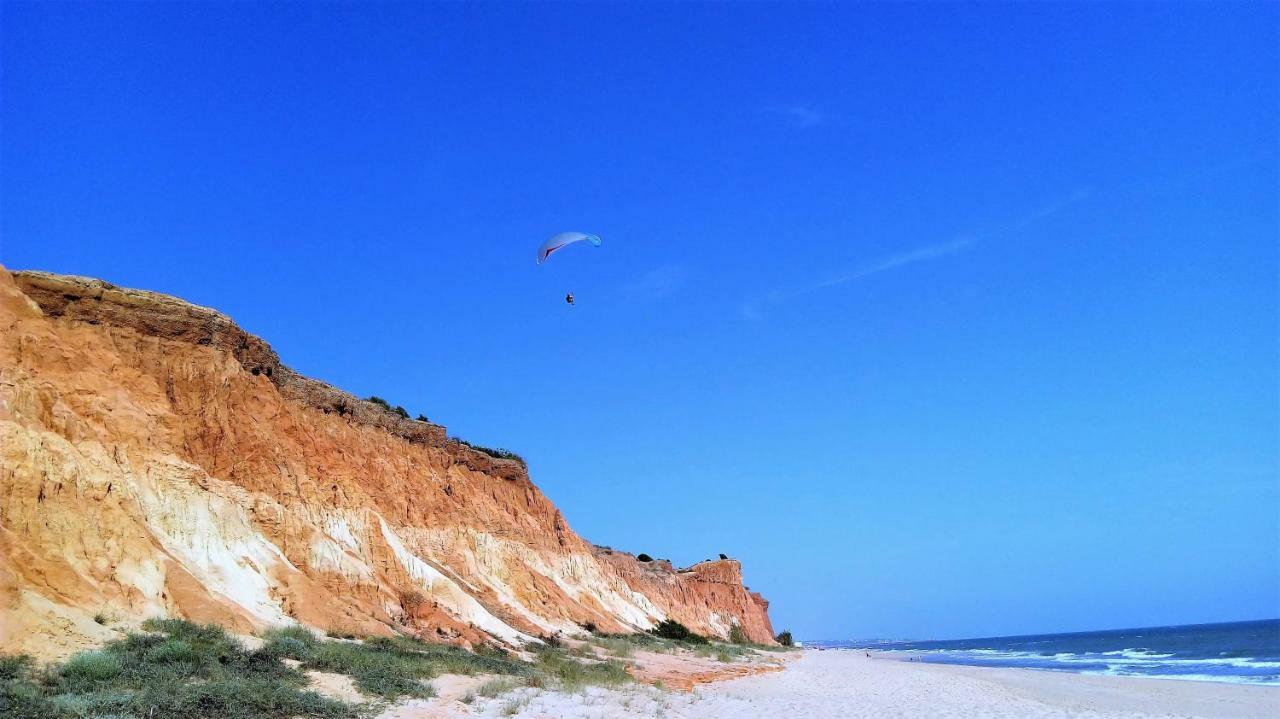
832 685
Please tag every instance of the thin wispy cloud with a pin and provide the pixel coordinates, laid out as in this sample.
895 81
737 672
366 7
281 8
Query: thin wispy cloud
924 253
754 311
893 262
800 116
1049 209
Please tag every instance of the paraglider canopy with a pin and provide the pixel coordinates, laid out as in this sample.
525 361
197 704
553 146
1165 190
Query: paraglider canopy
564 239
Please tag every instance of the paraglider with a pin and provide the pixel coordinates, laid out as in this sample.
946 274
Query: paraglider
560 241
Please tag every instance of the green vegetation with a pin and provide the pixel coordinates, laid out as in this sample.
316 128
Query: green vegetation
177 670
535 681
398 410
513 706
495 688
671 629
496 453
617 646
784 638
737 636
581 650
623 645
663 640
572 675
386 667
721 652
490 690
422 418
642 557
14 667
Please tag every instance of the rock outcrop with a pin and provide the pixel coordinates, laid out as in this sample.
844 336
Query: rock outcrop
156 459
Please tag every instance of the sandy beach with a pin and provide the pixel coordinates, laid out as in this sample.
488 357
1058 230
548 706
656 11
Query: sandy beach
834 684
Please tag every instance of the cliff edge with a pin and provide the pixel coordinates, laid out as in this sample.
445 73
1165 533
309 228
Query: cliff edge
156 459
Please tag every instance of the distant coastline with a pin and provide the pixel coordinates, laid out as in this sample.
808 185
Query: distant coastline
1232 652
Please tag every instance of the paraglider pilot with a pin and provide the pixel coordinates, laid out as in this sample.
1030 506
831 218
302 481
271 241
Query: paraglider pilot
560 241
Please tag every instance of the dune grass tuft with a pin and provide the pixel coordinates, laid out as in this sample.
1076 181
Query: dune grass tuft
617 646
495 688
573 675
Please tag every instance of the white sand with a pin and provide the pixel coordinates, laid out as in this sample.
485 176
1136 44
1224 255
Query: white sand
833 685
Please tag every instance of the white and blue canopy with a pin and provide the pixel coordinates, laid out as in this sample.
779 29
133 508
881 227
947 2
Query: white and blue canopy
562 240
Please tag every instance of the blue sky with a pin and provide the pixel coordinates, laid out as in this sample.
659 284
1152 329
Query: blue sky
948 320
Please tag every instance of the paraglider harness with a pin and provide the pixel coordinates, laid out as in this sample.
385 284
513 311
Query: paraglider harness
569 298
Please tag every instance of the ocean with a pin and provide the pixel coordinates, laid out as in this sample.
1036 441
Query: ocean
1240 652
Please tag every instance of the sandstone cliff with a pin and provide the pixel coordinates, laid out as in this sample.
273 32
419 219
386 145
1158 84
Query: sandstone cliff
157 459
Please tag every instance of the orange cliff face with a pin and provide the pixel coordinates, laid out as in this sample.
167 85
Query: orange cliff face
155 459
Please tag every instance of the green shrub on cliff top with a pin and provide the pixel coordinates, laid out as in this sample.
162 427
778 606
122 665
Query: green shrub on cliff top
495 452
